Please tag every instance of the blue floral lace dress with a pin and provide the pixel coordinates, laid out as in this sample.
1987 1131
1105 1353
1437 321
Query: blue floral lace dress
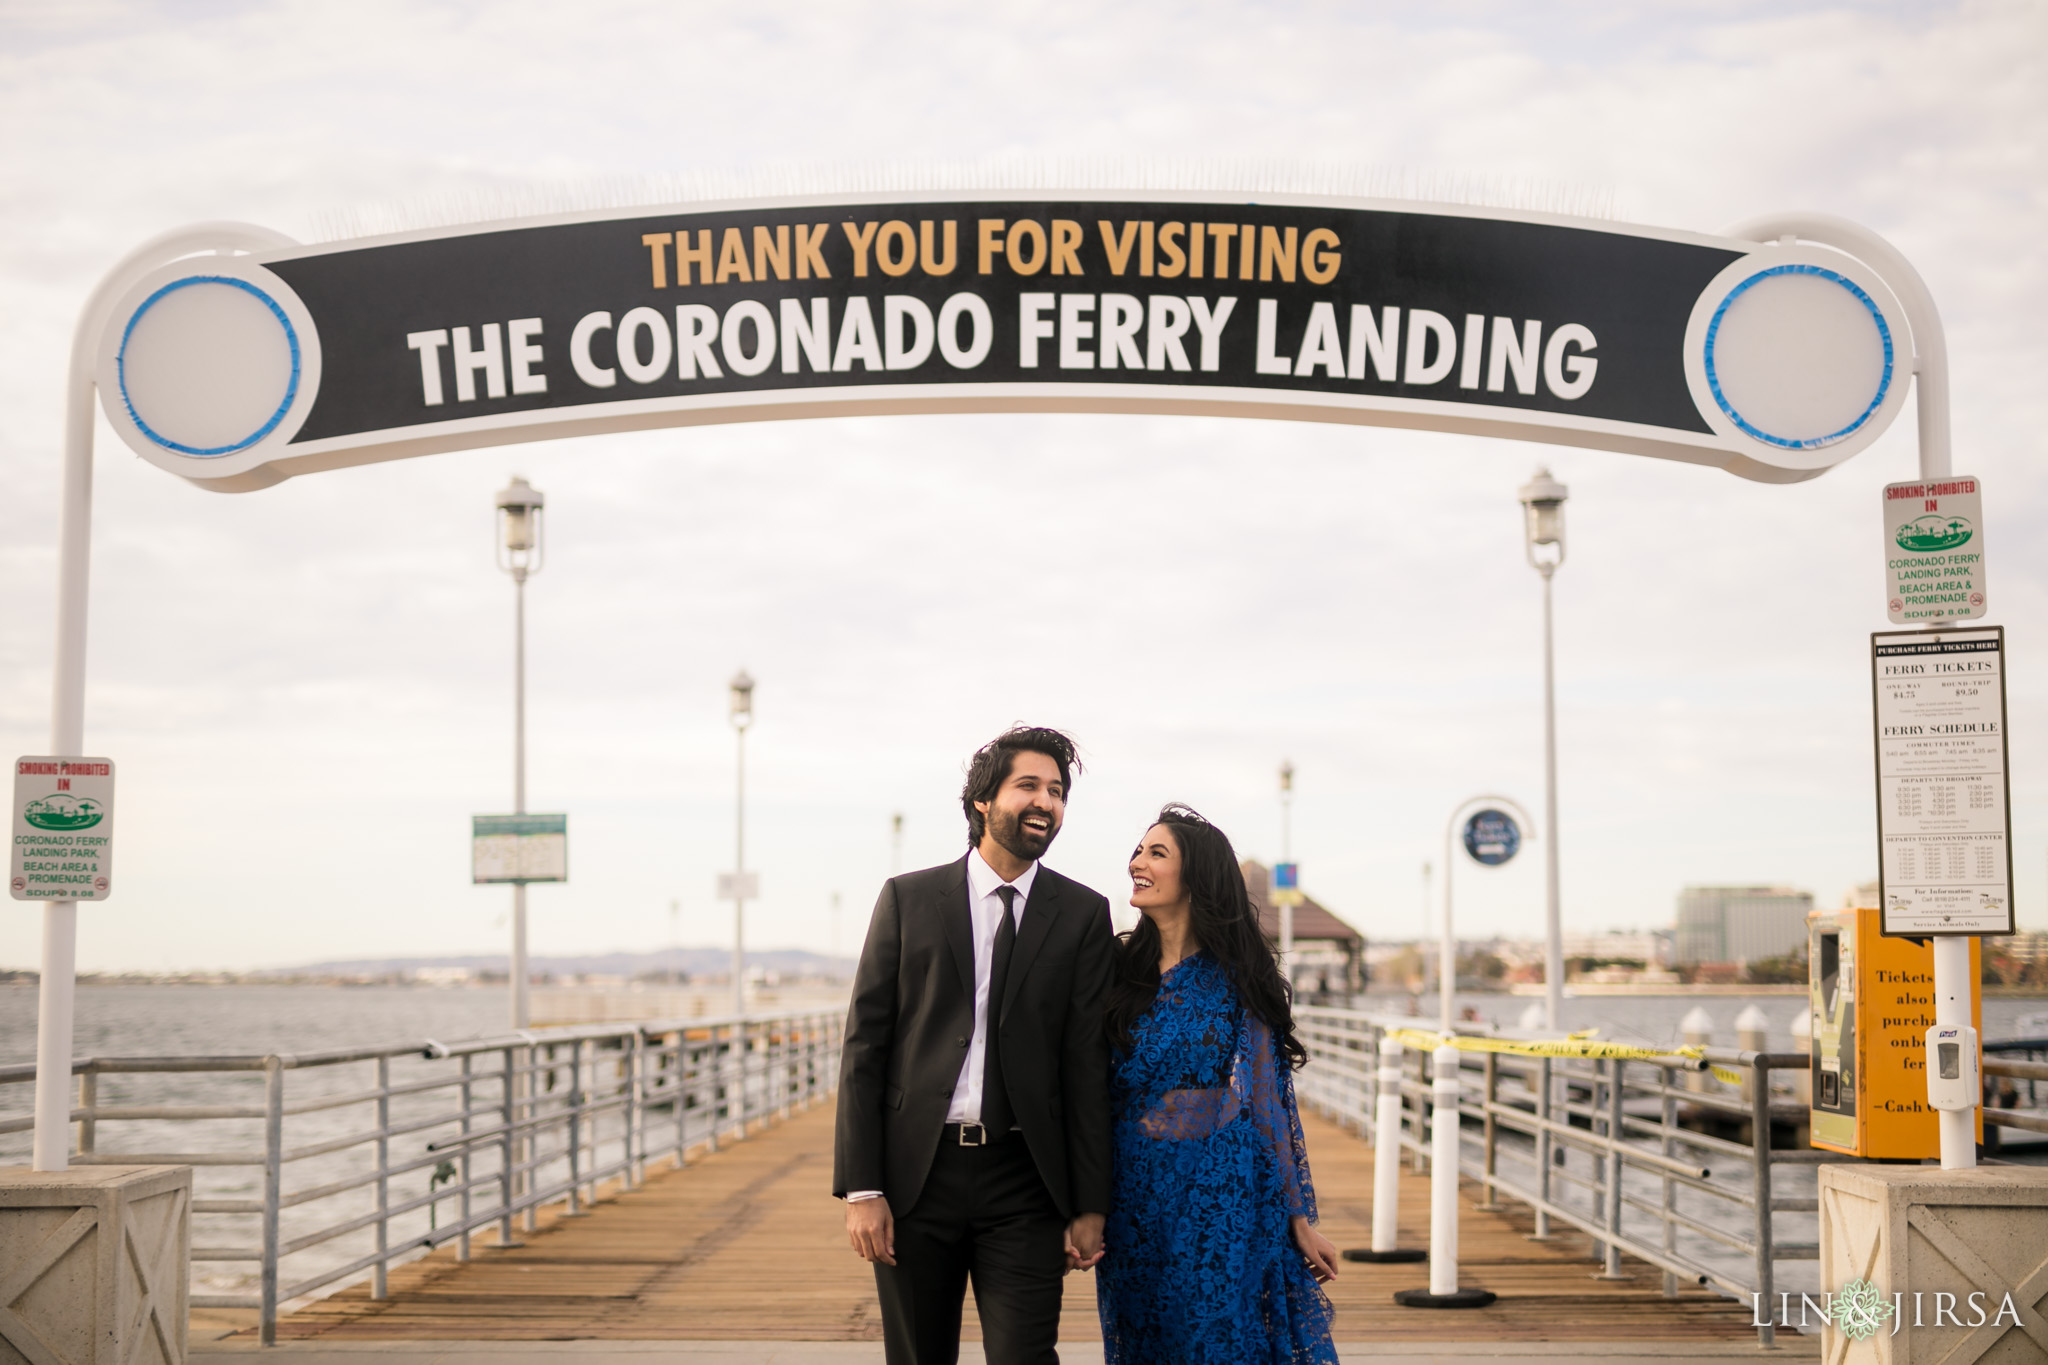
1209 1167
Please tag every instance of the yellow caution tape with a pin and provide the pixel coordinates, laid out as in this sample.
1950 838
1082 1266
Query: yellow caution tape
1580 1044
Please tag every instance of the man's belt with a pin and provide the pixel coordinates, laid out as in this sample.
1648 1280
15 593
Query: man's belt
974 1135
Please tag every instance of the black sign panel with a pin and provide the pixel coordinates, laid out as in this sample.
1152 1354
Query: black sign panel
1488 313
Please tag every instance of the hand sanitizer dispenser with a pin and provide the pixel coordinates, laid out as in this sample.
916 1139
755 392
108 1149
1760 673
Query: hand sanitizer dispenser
1953 1082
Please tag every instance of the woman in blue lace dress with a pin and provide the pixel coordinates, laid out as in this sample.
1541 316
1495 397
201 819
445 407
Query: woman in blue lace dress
1210 1253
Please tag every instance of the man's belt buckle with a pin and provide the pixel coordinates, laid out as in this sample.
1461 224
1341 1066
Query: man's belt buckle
980 1138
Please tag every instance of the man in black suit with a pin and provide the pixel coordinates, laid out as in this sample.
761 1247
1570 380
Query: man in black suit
973 1136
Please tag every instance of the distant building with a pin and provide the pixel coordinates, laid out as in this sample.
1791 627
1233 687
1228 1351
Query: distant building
1740 923
1652 948
1329 955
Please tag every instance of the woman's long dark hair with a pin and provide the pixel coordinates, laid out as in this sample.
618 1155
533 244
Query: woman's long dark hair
1224 924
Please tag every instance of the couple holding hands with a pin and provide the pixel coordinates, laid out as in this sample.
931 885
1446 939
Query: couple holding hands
1024 1092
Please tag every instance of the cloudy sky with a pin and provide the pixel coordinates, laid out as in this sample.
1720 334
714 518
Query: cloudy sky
307 689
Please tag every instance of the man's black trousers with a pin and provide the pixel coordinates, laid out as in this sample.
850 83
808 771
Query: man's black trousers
984 1213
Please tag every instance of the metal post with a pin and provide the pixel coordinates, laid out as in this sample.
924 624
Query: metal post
575 1125
1616 1172
1286 910
683 1099
636 1109
468 1099
1760 1158
1553 915
1953 989
1545 1085
1667 1117
383 1150
508 1149
522 1010
739 871
88 1104
1489 1143
273 1193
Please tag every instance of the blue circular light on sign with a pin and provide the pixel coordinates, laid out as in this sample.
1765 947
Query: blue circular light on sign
1750 428
1492 837
263 424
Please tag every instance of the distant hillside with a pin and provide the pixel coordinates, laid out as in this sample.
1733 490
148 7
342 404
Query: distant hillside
688 961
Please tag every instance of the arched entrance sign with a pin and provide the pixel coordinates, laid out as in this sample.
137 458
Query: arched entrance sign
1775 361
235 357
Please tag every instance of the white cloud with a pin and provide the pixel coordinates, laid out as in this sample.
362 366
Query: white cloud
307 687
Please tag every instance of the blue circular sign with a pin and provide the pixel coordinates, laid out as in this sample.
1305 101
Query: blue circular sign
1492 837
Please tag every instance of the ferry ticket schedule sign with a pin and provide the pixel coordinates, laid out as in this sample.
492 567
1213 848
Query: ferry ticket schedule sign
1943 796
63 829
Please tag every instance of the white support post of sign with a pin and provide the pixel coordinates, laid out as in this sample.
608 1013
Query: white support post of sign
52 1145
1954 991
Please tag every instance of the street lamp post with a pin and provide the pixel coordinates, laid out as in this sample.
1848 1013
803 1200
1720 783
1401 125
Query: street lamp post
896 843
1286 906
519 554
742 699
1543 527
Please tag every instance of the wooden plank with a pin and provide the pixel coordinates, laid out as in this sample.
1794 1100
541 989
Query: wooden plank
747 1244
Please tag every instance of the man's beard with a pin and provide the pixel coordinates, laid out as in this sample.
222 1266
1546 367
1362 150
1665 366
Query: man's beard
1007 828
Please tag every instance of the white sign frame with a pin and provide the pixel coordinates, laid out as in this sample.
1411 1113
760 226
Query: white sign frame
1944 777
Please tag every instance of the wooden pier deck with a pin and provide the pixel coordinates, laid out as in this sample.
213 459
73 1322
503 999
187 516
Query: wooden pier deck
745 1244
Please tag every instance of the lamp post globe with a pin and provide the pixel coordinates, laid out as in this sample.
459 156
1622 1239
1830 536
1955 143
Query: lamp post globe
742 699
520 510
1543 500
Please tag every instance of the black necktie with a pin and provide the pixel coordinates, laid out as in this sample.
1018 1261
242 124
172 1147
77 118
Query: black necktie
995 1100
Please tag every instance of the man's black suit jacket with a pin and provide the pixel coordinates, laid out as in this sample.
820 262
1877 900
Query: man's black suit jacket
912 1016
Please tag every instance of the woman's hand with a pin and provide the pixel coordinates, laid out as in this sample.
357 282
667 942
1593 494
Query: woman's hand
1316 1249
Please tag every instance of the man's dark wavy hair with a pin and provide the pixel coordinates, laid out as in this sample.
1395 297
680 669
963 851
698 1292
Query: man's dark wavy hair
1224 924
991 764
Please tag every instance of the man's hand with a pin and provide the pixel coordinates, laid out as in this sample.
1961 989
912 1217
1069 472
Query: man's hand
872 1230
1084 1242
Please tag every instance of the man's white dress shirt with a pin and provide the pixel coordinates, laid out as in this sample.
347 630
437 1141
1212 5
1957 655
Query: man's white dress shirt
985 908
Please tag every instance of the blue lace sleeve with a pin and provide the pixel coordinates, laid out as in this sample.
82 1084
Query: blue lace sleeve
1266 1084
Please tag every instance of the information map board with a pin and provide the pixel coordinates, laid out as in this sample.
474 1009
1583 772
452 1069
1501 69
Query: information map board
1944 820
519 848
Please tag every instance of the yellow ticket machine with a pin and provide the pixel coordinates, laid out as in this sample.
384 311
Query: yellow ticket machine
1872 1000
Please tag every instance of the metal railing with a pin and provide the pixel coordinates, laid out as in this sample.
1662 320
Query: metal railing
317 1168
1626 1151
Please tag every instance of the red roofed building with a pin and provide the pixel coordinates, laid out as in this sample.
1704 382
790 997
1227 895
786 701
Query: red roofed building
1329 955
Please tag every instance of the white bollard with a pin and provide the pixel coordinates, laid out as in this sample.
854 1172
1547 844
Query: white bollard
1443 1291
1697 1030
1801 1029
1752 1030
1386 1164
1443 1175
1386 1151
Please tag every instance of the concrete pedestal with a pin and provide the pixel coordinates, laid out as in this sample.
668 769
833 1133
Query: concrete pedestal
1929 1240
95 1265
